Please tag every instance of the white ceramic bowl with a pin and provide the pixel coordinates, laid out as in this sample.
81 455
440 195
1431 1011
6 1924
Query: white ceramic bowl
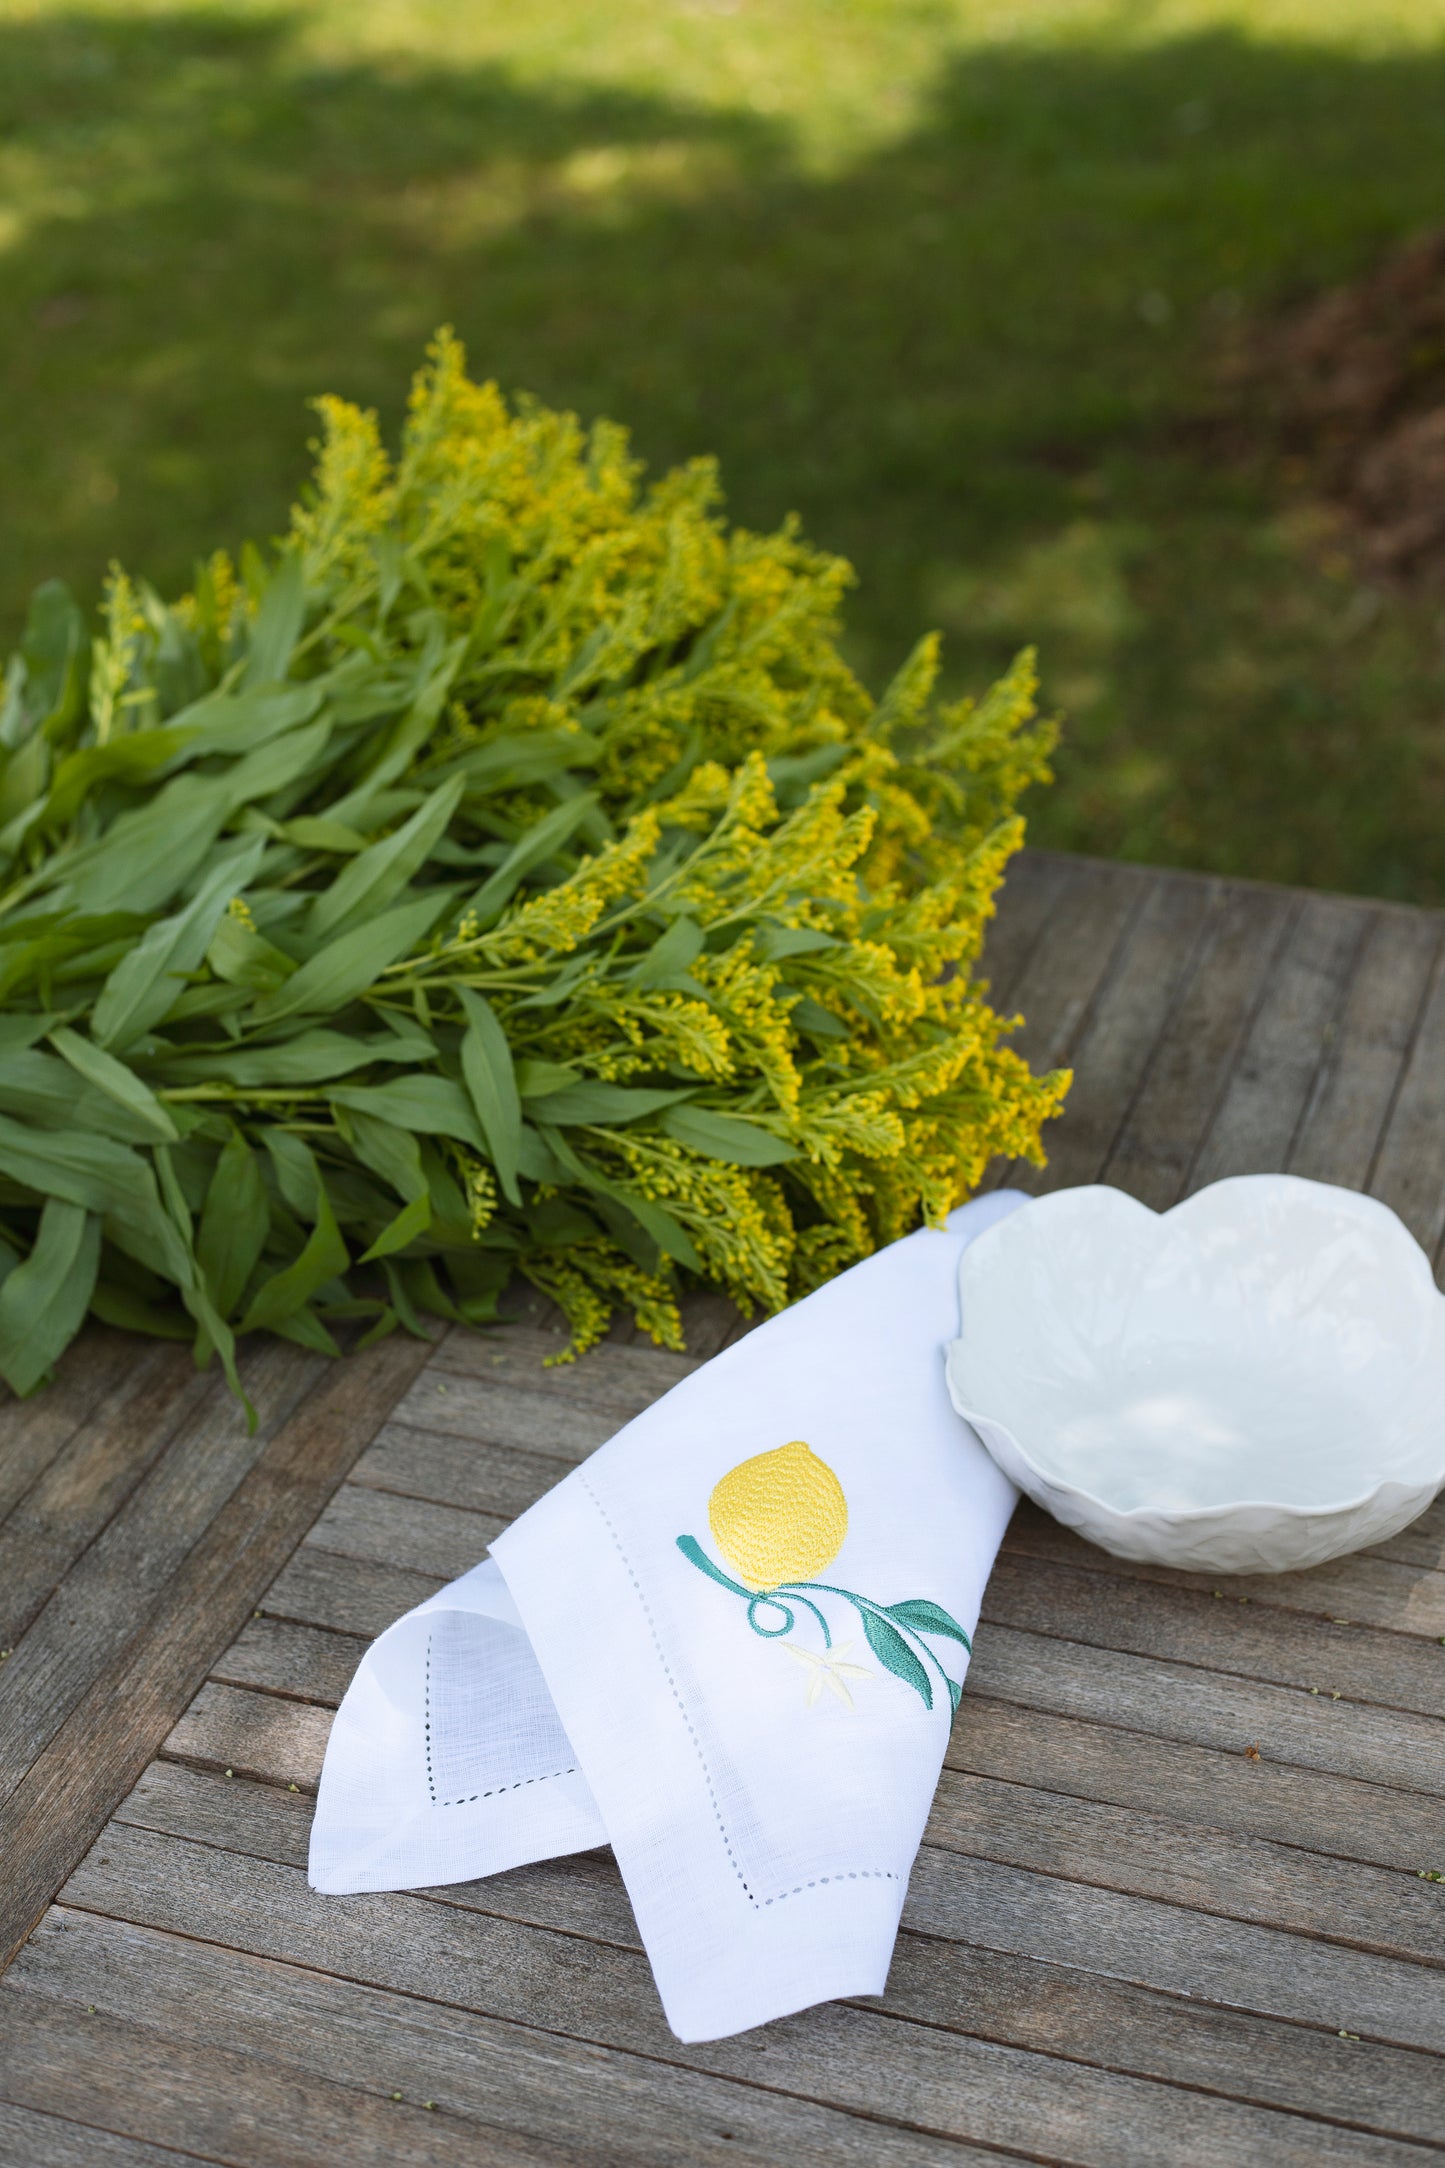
1252 1382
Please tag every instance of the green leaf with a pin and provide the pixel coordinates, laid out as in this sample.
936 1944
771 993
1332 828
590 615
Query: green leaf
673 951
233 1226
312 833
231 722
540 843
391 1152
818 1022
274 767
536 1078
83 1170
56 653
518 760
43 1301
297 1174
383 869
432 1106
25 775
310 1058
594 1102
117 1082
351 963
147 856
928 1618
141 989
280 1298
243 957
655 1221
891 1650
492 1085
726 1136
777 941
411 1221
122 1306
278 622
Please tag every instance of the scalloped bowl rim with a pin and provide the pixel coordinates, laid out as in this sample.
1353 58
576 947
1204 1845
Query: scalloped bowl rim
1368 1209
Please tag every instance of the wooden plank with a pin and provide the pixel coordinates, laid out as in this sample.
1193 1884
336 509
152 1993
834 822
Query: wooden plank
1267 1095
92 1761
1179 1951
1115 1611
110 1592
409 1532
615 1380
1058 985
1189 1864
1222 1788
222 2105
1026 906
284 1658
267 1736
1210 1708
32 2140
846 2056
1409 1169
451 1471
346 1595
1194 1059
590 2103
91 1478
1021 2001
1118 1036
33 1431
529 1420
1361 1589
1422 1544
1365 1054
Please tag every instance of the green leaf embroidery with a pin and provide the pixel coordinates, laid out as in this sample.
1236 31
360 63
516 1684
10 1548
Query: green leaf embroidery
890 1648
927 1618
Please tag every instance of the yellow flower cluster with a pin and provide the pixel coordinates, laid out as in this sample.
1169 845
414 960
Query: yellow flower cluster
822 864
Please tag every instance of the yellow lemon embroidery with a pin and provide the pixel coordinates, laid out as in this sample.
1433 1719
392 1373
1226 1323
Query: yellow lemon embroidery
779 1517
778 1520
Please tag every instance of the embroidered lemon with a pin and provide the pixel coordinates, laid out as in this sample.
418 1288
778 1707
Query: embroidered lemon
779 1517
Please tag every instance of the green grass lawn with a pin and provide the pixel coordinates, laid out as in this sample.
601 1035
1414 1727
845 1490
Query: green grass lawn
943 276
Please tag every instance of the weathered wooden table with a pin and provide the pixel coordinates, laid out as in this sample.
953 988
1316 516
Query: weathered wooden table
1175 1904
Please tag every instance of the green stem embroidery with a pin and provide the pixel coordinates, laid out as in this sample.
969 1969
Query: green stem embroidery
894 1631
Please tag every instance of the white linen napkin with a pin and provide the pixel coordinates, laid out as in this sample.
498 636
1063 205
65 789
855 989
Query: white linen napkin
729 1644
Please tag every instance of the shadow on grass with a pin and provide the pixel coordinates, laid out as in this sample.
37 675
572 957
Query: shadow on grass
960 358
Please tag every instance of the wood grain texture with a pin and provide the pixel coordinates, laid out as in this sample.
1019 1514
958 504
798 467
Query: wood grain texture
1409 1169
599 1989
589 2102
110 1731
33 1431
1364 1589
32 2140
1026 2002
1190 1069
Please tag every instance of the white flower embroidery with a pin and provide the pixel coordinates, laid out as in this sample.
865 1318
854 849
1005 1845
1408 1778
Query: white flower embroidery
827 1670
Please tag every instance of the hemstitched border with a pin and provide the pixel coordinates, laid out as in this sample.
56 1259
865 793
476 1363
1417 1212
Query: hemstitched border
470 1798
759 1904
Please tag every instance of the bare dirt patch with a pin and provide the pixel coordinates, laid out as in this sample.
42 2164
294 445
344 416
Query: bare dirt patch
1347 390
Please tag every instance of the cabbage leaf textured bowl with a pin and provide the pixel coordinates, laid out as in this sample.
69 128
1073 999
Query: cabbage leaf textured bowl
1249 1383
